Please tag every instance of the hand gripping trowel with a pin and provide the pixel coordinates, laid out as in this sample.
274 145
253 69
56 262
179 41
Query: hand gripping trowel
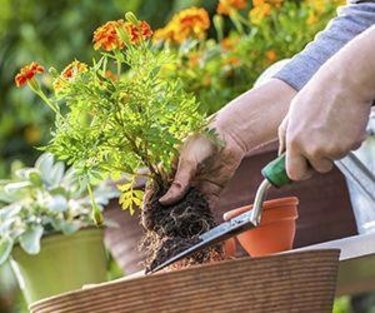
274 175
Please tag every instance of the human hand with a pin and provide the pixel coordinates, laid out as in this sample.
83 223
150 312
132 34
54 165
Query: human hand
246 123
326 120
206 165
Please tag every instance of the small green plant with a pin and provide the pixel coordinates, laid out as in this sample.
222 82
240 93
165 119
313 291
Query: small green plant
120 114
45 199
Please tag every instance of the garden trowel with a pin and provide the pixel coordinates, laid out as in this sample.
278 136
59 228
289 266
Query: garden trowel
274 175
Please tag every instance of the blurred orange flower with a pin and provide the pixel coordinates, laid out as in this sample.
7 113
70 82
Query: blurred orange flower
189 23
261 9
271 56
232 61
192 22
226 6
229 43
164 34
110 75
27 73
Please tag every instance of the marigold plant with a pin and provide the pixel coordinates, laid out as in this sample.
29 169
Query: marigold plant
108 124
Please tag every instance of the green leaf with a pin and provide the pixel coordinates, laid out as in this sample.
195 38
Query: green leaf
6 246
57 203
30 240
69 228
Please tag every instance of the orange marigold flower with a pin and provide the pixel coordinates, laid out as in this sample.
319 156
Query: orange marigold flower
27 73
226 6
139 32
73 69
164 34
69 72
259 12
312 18
145 29
189 23
274 3
229 43
110 75
232 61
106 36
192 22
271 55
261 9
193 59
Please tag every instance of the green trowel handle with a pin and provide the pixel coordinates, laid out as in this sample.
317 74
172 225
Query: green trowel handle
275 172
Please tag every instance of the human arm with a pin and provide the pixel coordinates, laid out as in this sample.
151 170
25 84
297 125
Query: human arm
328 117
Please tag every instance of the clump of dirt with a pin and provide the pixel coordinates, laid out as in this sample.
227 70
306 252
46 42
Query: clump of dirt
172 229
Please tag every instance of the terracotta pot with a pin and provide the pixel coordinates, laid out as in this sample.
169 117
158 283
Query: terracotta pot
277 227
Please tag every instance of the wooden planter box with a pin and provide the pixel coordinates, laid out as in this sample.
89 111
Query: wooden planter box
293 282
324 211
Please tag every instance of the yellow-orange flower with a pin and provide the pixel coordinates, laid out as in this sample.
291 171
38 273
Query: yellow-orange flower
69 72
73 69
193 59
271 56
232 61
273 3
261 9
229 43
189 23
312 18
164 34
258 13
226 6
106 37
27 73
139 32
110 75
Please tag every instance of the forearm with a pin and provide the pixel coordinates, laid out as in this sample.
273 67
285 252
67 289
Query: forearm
354 66
253 118
351 21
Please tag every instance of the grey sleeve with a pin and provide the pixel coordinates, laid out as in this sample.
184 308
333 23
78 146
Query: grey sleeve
351 21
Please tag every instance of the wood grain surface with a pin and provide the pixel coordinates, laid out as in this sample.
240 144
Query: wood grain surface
294 282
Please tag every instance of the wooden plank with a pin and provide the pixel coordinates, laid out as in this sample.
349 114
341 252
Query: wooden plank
298 282
357 263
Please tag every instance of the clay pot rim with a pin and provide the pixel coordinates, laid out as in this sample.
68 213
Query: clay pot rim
270 205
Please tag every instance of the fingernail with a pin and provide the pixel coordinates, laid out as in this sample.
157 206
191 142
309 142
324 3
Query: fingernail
167 197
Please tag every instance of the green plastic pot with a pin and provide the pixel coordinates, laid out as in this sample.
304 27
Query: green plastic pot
64 263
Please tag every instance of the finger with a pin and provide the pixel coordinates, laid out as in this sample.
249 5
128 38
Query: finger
211 192
282 135
321 165
297 166
186 170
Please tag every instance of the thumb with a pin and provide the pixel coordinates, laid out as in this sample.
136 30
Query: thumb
186 171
